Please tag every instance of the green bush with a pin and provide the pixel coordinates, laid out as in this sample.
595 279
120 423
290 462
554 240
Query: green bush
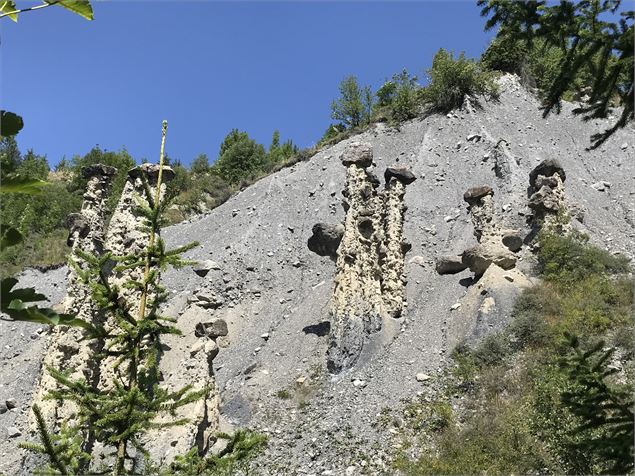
492 350
200 164
240 157
507 55
205 192
568 259
496 441
37 250
453 79
531 407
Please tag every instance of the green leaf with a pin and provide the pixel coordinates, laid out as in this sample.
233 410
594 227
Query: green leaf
10 122
10 237
81 7
17 184
7 6
12 303
7 293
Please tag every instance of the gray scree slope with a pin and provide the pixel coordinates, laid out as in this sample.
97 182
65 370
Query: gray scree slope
273 292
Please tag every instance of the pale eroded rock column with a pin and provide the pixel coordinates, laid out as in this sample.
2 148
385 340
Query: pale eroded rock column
547 197
357 307
488 233
67 349
395 247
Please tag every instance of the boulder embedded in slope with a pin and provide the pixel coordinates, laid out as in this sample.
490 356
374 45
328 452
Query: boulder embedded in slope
326 239
450 265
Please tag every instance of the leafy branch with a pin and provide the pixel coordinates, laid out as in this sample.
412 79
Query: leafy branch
80 7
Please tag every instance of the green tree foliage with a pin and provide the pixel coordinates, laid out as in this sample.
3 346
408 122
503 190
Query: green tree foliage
450 80
10 156
240 157
121 160
537 66
200 165
399 98
354 106
241 446
279 153
41 213
594 50
331 133
602 405
10 124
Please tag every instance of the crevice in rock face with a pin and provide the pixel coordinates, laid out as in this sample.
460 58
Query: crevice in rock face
67 348
369 250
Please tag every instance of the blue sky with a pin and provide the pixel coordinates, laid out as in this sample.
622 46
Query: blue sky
208 67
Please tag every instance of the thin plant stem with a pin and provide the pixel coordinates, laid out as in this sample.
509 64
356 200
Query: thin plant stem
36 7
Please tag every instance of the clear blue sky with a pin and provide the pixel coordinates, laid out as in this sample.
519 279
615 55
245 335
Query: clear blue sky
208 67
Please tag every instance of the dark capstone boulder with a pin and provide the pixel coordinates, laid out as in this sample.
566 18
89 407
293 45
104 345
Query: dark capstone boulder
475 193
326 239
450 265
546 168
402 174
213 328
359 154
98 169
152 172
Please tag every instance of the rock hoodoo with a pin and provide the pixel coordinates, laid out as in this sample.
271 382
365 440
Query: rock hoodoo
546 195
488 233
369 249
126 236
395 247
67 349
495 244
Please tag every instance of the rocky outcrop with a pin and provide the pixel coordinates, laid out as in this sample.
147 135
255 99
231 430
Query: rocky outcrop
450 265
68 349
369 250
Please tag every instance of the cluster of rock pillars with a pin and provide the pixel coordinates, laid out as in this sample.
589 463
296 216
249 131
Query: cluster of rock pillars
368 250
369 247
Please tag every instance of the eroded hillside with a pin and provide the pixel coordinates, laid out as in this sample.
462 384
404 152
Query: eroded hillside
274 293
